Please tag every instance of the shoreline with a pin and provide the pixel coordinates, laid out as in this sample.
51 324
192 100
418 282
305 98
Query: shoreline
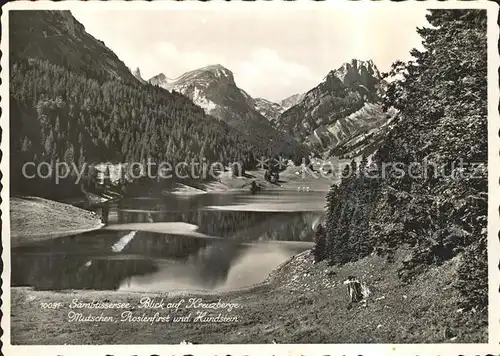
289 180
299 302
37 219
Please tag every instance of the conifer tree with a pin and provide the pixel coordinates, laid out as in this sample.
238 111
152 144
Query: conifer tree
319 250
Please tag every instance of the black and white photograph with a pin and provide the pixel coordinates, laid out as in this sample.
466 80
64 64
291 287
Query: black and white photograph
198 173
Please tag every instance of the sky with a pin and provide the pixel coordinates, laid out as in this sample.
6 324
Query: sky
273 53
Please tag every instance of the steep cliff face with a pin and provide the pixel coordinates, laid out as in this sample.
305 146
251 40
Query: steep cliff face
56 36
341 107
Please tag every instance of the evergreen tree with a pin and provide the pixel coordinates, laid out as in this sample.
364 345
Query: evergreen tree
319 250
69 155
441 100
363 165
49 144
26 145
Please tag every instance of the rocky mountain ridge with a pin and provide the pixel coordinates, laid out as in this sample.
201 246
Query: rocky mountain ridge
343 106
268 108
72 99
57 37
214 89
292 100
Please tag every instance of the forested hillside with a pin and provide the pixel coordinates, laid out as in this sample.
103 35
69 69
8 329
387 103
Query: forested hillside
415 193
58 37
58 115
73 100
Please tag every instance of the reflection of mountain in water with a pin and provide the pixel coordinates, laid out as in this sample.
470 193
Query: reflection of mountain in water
237 225
57 272
211 261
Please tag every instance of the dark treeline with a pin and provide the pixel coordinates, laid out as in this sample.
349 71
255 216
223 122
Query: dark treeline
57 115
439 211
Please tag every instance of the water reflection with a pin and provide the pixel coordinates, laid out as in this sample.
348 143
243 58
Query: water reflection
246 252
212 268
70 271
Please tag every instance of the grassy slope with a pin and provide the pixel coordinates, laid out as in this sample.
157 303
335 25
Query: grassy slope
33 219
301 303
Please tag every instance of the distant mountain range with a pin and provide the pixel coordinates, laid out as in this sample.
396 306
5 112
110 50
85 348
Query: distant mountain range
138 76
340 109
273 110
72 99
213 88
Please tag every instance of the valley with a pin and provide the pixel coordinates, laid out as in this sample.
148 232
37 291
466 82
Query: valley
273 205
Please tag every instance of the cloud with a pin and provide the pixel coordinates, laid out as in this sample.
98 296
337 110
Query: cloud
177 62
267 74
262 72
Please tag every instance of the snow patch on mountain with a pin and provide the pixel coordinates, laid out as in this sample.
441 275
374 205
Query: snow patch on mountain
200 100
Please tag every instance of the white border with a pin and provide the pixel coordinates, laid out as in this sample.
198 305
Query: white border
272 349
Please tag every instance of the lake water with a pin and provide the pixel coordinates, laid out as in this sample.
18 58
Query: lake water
203 242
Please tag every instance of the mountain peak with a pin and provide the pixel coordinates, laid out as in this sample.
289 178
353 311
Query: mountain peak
359 71
160 76
159 79
216 67
359 62
219 71
137 74
359 65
